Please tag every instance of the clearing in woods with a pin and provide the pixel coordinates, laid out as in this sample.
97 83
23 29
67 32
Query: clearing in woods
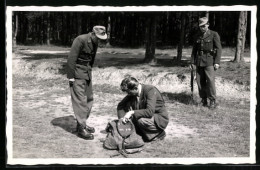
44 124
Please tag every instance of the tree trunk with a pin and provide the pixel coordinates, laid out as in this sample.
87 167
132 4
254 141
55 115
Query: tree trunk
150 40
42 29
108 31
68 36
23 28
79 23
16 29
214 19
207 14
48 29
182 37
241 37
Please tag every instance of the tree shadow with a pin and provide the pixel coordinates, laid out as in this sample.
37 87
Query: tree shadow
43 56
104 60
121 61
183 97
169 62
113 60
68 123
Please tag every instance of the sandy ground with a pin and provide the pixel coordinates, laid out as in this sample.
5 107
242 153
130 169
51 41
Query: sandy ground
52 111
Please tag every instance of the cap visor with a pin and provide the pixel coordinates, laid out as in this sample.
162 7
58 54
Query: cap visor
102 37
204 23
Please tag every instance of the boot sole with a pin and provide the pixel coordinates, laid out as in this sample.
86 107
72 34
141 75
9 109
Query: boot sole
86 138
86 130
89 131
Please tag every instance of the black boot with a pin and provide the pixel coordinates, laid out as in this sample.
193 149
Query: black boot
83 133
88 128
204 102
213 104
160 136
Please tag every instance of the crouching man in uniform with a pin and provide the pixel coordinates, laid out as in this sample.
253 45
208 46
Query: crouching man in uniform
145 105
80 61
205 56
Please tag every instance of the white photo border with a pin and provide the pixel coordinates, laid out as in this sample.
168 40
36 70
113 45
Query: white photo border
119 161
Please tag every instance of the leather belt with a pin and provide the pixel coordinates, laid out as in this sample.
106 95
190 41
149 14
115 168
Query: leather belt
201 52
82 62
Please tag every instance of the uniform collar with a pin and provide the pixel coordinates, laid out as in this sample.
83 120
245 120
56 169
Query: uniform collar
206 34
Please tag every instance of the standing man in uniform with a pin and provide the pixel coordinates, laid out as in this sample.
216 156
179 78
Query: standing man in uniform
205 56
80 62
145 106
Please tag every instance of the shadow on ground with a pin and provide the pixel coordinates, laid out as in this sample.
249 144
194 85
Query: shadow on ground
126 60
104 60
68 123
113 60
44 56
179 97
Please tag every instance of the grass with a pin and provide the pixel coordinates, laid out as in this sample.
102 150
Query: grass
44 124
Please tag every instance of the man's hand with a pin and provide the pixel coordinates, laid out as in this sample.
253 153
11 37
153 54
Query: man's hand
71 81
192 67
216 66
127 116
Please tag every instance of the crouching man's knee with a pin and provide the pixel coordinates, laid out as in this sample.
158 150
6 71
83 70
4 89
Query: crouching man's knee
145 122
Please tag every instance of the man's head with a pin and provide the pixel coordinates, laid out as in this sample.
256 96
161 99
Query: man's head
130 86
99 33
203 24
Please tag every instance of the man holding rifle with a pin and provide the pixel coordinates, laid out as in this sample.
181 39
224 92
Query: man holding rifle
205 58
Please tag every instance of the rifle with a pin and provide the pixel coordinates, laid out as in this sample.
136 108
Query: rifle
192 83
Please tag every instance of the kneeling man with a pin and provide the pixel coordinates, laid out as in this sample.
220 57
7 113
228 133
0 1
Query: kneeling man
145 105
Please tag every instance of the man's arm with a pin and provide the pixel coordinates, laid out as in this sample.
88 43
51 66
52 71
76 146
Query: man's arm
217 47
94 56
122 107
72 58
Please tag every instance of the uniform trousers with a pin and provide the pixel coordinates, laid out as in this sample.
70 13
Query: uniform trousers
82 100
206 82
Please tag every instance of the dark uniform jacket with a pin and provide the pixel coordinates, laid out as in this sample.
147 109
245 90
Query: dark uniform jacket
206 49
150 104
81 57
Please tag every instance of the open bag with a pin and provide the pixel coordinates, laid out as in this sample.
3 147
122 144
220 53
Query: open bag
122 136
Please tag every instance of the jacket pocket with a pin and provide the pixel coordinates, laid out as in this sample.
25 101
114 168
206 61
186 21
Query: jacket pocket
208 45
82 72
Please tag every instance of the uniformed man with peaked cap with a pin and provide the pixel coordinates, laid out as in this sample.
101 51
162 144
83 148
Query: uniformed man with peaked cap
205 57
80 61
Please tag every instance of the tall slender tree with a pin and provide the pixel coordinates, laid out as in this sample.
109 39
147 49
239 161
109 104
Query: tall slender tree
15 28
150 39
108 31
207 14
48 29
182 36
241 37
79 23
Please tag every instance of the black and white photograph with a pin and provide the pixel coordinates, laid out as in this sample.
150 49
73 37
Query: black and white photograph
131 85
